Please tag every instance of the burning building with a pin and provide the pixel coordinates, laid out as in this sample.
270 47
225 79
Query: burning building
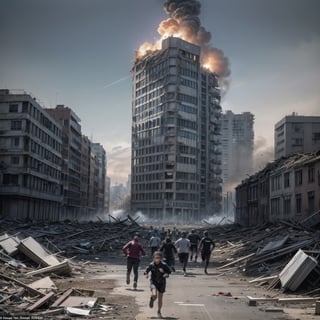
176 155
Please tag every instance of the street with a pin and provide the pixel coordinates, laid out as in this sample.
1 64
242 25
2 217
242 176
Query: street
193 297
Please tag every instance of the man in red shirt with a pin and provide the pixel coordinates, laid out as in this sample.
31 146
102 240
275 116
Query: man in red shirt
133 250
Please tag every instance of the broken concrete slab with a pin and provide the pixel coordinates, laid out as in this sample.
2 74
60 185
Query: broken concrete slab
73 301
37 253
9 244
61 268
273 245
77 311
297 270
43 284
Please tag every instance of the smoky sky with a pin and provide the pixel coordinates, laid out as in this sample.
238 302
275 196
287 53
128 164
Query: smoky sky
69 52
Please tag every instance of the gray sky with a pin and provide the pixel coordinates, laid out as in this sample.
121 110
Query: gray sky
74 52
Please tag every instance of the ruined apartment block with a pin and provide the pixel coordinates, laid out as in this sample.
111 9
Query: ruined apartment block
296 134
30 159
176 159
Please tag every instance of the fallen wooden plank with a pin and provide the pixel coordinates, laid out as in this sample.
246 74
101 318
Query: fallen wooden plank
65 295
298 300
41 302
236 261
21 284
262 279
253 300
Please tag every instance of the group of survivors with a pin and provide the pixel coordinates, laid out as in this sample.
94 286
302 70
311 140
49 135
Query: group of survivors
164 246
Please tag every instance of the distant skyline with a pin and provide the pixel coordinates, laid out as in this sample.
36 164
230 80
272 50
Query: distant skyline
79 53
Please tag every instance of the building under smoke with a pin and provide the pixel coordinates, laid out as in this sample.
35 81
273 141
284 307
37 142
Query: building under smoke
237 140
176 160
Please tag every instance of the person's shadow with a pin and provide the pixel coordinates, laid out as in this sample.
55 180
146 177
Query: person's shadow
168 318
135 290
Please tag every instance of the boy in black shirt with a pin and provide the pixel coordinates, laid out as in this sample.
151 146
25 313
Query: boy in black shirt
159 272
206 247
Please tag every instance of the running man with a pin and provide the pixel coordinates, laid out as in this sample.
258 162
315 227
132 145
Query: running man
206 247
159 272
194 242
133 250
169 250
154 243
183 246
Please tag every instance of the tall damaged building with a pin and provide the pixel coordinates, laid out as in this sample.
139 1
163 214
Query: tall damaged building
176 156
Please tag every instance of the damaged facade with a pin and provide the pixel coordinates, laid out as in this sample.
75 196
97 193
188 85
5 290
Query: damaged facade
176 159
286 189
48 170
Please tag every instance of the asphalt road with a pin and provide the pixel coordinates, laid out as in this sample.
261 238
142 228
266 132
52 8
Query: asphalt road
195 297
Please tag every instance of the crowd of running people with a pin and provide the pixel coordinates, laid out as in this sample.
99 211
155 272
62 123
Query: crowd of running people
164 246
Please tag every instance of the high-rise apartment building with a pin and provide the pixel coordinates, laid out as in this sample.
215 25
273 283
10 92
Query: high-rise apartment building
175 147
30 159
100 155
71 156
296 134
237 140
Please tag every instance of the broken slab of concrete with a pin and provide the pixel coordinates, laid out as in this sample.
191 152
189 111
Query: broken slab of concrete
9 244
43 284
37 253
297 270
61 268
77 311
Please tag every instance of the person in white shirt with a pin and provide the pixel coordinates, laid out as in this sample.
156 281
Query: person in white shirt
183 247
154 244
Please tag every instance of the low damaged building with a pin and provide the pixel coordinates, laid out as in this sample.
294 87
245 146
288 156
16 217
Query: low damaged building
286 189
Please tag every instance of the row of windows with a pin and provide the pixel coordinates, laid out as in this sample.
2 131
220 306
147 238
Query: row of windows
41 167
148 150
149 124
187 134
32 182
188 73
187 124
148 159
167 195
276 181
149 168
187 109
186 160
36 114
43 152
189 83
186 98
150 112
150 133
148 177
44 137
287 204
149 141
188 150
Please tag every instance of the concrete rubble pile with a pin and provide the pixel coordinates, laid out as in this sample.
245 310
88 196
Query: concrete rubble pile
32 259
284 256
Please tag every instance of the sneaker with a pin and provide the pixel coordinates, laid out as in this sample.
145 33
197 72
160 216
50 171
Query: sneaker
128 279
205 271
159 315
184 274
151 302
135 285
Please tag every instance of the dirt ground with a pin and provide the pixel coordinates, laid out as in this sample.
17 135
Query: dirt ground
123 306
